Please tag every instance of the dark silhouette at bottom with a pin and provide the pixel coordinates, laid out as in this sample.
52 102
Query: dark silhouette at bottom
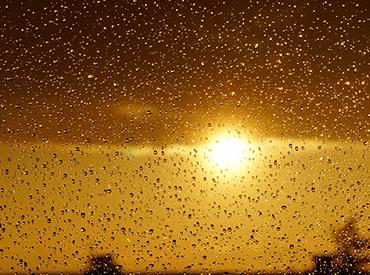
103 265
350 256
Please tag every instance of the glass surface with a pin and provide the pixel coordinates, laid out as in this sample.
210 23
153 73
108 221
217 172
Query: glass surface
184 136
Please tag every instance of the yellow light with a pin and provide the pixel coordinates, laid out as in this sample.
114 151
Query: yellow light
228 152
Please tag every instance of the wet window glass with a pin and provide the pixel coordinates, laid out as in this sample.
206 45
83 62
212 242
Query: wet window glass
184 136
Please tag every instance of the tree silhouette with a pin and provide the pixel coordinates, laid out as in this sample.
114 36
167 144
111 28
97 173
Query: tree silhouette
103 265
350 255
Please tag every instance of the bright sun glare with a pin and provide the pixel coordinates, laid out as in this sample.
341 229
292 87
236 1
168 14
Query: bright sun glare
228 152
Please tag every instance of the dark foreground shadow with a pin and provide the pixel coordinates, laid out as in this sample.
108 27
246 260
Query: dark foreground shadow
103 265
351 256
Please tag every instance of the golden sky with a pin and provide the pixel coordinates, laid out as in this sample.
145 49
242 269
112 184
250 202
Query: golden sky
181 135
166 209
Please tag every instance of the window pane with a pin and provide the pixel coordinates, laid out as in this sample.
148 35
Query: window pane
184 136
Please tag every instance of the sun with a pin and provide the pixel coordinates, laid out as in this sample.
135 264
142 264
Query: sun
228 152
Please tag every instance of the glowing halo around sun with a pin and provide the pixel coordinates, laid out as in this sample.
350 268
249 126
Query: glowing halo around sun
228 152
